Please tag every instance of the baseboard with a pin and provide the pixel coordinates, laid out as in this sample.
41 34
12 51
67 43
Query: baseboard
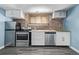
2 47
46 46
76 50
8 44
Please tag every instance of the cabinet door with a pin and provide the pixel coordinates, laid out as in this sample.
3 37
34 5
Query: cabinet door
60 14
13 13
62 38
66 38
38 38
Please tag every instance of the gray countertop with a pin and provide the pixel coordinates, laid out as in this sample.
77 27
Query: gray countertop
47 31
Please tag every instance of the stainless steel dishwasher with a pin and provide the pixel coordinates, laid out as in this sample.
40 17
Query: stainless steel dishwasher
50 38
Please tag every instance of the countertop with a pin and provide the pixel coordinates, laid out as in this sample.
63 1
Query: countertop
29 30
45 30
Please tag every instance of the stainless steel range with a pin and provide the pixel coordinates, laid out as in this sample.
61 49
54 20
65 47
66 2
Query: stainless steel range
22 38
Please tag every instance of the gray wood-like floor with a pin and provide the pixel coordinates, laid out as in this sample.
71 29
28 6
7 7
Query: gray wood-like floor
37 51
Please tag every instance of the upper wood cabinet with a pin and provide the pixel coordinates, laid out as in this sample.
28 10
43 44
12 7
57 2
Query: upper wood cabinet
59 14
14 13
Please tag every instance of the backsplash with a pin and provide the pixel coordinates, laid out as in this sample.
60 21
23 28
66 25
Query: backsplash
56 24
53 24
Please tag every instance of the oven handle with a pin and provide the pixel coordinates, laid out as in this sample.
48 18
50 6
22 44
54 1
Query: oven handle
22 33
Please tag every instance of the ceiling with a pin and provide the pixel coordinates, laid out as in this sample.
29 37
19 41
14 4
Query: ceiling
36 7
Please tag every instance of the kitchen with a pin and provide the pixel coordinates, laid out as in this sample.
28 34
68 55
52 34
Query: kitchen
41 26
37 26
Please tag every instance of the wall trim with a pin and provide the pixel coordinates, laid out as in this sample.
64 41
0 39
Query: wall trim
76 50
1 47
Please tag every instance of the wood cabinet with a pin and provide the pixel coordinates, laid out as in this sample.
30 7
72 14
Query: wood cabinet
59 14
62 38
59 39
14 13
38 38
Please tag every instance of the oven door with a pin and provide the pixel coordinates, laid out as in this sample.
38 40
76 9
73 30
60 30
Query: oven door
22 39
22 36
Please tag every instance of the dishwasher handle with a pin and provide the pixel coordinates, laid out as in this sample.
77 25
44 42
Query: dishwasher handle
50 32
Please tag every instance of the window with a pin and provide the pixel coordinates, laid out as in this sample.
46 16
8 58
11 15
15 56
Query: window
39 19
44 19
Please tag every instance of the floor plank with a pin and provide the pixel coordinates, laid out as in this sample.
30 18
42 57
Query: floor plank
37 51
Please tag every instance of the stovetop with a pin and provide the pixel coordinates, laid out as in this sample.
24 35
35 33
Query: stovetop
22 30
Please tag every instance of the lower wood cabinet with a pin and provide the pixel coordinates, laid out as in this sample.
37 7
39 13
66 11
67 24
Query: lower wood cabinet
62 39
38 38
